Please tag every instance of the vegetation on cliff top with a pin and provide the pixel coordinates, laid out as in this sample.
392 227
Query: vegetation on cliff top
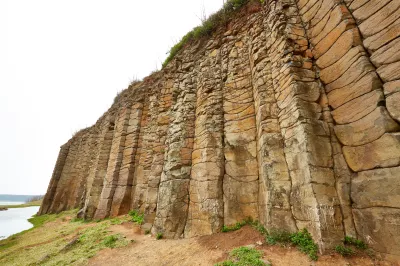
208 25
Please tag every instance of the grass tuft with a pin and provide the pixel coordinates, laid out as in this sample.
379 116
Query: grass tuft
344 251
305 243
243 256
355 242
208 26
159 236
137 217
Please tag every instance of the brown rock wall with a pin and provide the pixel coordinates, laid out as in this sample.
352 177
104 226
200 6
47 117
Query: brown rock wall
289 114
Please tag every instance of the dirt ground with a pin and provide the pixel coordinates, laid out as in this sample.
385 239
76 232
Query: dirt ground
208 250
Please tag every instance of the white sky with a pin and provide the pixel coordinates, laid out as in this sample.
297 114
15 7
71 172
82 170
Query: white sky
62 63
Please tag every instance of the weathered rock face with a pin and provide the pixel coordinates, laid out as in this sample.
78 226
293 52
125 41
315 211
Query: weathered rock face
289 115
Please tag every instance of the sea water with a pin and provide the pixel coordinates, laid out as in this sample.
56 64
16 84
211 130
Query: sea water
13 221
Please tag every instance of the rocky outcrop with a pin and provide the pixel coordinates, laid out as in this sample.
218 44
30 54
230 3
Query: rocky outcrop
288 115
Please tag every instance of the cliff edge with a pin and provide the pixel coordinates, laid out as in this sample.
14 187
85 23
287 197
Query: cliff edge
289 114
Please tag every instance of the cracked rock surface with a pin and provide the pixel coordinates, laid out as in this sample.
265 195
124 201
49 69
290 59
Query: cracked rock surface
290 115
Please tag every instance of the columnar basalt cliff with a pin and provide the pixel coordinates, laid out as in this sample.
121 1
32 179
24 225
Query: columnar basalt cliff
290 115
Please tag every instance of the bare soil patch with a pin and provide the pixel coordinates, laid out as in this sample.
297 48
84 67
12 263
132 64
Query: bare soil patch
208 250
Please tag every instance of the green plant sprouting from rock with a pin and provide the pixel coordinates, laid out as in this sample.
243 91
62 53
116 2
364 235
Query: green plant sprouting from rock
208 26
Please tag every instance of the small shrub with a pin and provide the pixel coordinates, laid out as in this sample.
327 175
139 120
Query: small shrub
278 236
236 226
137 217
355 242
116 221
159 236
243 256
75 220
147 231
344 251
305 243
110 241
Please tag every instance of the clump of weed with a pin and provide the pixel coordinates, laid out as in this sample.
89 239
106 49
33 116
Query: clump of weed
344 251
208 26
348 240
116 221
278 236
147 231
137 217
301 239
243 256
110 241
234 227
159 236
305 243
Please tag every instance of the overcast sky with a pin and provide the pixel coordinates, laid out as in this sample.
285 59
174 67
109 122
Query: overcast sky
62 63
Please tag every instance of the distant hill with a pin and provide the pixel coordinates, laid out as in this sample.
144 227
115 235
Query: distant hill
16 198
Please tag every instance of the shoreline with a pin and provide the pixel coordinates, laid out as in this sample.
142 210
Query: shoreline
24 205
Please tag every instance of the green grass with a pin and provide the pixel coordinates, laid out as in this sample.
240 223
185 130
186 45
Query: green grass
355 242
344 251
159 236
243 256
137 217
234 227
301 239
218 19
54 240
278 236
305 243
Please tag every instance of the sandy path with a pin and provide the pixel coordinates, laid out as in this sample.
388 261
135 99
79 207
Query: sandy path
208 250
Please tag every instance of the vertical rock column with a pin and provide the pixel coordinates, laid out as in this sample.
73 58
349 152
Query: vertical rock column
308 151
60 200
81 167
99 168
275 185
206 208
241 169
110 182
55 178
160 128
143 168
373 148
173 194
122 196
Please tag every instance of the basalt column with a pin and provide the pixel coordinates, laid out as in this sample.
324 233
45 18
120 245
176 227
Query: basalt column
121 202
99 168
110 181
173 193
160 128
275 185
240 146
60 201
55 178
206 209
308 150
